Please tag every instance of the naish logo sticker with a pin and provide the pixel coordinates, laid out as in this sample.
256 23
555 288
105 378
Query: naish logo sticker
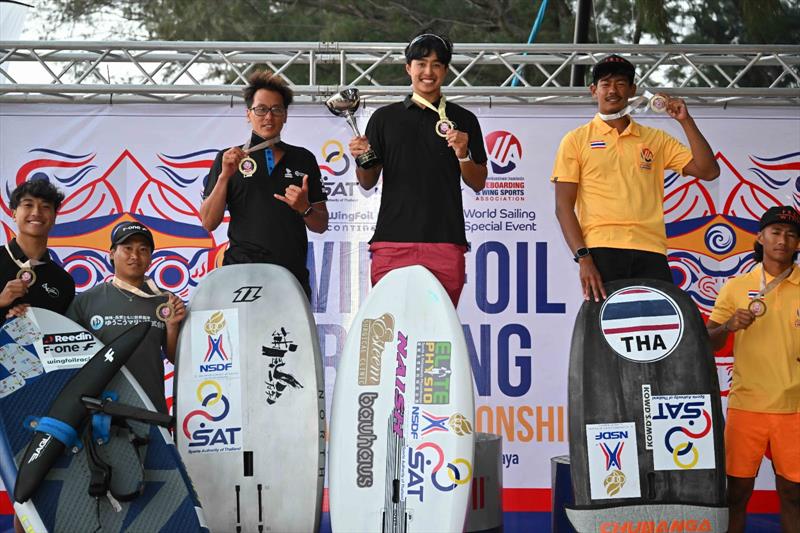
641 324
375 333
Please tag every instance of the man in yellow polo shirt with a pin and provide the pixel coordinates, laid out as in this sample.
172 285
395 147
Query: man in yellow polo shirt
762 310
612 170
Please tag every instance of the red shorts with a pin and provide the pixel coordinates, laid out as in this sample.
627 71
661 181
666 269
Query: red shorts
747 436
444 260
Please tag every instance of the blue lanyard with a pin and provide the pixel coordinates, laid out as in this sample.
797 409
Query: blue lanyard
270 160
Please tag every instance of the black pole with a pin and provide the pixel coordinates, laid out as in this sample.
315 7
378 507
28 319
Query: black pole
577 77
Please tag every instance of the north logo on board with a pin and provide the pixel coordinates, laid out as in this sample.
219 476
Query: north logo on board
432 378
683 433
211 428
428 468
375 333
613 460
278 378
247 294
641 324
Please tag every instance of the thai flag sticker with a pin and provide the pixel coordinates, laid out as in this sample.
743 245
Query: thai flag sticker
641 324
597 144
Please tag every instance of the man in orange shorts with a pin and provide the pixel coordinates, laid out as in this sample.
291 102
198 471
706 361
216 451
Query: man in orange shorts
762 309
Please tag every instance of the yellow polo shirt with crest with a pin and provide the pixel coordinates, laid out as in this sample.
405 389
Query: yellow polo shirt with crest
766 355
620 179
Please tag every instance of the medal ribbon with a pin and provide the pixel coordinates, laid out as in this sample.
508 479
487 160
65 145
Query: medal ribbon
124 285
30 263
633 107
442 103
767 287
269 153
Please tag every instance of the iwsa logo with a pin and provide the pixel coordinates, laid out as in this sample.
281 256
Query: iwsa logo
683 434
205 438
427 461
505 151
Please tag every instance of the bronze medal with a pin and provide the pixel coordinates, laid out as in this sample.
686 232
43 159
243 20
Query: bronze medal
443 126
27 276
247 166
757 306
659 102
164 312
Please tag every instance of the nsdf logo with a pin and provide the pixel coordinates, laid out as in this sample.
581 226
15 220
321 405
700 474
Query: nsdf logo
505 151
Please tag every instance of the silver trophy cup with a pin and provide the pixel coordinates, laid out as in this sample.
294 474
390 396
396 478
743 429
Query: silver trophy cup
344 104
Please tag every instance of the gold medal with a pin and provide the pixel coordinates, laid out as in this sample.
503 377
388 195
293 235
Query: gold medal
27 276
444 126
658 103
247 166
164 312
757 306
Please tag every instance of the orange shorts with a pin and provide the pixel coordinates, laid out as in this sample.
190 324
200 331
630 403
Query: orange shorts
748 435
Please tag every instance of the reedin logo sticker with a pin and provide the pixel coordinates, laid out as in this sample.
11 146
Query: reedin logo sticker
216 426
613 461
683 433
505 151
375 333
432 380
215 342
59 351
641 324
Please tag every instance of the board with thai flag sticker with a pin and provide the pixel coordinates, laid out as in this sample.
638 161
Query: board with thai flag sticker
645 417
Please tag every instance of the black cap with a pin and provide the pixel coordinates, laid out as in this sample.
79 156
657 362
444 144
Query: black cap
123 230
780 214
613 64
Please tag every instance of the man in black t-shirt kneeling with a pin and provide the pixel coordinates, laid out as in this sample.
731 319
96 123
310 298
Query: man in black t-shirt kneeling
426 145
272 190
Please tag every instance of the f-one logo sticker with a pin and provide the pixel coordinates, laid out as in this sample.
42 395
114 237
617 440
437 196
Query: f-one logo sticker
641 324
246 294
211 428
432 378
613 461
683 432
375 333
427 468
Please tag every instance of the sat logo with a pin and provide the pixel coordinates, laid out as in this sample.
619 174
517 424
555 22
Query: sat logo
207 434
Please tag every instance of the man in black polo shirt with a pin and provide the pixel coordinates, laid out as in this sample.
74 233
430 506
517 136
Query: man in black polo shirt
272 190
426 145
27 274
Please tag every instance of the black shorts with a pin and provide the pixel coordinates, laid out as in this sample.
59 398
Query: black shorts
621 263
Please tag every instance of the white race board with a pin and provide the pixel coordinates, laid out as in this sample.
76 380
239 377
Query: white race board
250 401
402 426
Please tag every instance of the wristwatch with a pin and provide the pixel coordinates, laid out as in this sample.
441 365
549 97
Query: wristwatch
307 211
465 159
580 253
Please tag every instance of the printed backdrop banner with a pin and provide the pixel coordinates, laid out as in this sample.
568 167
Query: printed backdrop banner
522 292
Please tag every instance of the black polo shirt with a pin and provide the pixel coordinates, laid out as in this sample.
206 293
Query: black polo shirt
263 229
53 289
421 197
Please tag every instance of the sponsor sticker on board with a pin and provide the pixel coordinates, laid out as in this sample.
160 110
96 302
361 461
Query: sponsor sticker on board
641 324
375 333
683 432
215 343
214 422
432 379
613 461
